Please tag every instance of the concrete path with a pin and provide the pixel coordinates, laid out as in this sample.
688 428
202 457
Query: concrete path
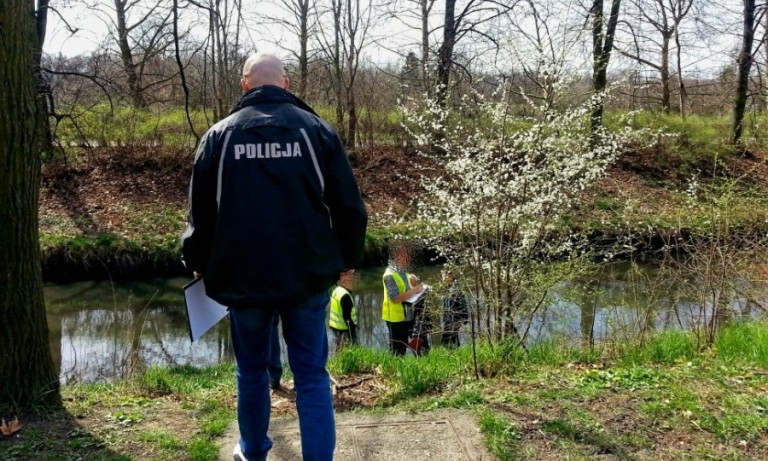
446 435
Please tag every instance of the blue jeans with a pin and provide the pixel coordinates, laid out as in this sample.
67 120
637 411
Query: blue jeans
305 336
275 361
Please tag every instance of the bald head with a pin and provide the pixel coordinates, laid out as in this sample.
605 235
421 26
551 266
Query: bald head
263 69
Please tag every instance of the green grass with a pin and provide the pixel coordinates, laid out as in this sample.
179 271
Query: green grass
355 359
125 125
204 393
667 347
745 343
693 137
203 449
607 204
501 436
584 433
664 385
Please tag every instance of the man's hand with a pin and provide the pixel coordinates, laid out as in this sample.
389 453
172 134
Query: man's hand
198 275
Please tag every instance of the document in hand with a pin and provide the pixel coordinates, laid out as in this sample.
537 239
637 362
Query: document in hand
202 312
415 297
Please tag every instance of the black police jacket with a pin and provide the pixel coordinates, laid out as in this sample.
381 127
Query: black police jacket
274 210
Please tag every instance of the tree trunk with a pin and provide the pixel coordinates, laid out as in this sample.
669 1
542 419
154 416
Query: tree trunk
27 377
44 91
303 48
764 87
602 45
182 72
680 81
338 75
744 65
665 78
351 32
214 80
445 54
351 119
127 57
219 88
425 9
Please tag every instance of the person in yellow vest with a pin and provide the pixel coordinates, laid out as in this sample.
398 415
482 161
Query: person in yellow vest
399 286
343 315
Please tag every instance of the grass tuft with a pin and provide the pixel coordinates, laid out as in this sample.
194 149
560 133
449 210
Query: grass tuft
745 343
501 435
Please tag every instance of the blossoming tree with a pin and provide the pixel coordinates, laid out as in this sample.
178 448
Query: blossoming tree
498 212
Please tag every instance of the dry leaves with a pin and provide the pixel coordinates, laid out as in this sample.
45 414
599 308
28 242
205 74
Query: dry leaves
11 428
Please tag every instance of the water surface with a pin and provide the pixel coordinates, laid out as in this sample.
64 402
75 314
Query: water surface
104 330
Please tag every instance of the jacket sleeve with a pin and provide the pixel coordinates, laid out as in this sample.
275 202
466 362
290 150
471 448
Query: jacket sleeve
343 199
346 309
201 216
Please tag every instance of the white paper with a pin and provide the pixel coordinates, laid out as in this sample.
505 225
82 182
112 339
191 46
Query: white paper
203 312
415 297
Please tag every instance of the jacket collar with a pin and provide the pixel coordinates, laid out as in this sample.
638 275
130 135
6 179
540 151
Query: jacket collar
270 94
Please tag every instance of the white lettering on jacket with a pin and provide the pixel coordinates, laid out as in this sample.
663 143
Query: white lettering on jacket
267 150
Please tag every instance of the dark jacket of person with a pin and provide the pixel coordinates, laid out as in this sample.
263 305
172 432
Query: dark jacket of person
274 210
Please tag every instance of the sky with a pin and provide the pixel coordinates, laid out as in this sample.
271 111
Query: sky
390 38
91 31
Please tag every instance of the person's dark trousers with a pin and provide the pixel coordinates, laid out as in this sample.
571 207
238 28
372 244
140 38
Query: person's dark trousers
275 361
398 336
305 335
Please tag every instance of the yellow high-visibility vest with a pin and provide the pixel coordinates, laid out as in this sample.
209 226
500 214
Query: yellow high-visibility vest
392 311
336 318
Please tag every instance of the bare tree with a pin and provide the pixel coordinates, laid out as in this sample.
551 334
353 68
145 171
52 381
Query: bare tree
331 44
142 32
351 22
126 54
301 22
182 74
683 7
472 15
414 14
542 39
664 18
223 57
603 34
744 67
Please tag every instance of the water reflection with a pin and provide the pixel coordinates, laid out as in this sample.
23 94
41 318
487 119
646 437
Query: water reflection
100 330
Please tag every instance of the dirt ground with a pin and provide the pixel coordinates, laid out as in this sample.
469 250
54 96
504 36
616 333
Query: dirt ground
110 186
440 435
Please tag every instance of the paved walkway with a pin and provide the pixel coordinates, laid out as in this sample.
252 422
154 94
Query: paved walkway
446 435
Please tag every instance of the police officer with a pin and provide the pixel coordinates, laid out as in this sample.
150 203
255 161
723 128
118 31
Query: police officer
343 315
399 286
271 197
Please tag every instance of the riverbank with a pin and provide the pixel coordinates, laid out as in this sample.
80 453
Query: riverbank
118 212
669 397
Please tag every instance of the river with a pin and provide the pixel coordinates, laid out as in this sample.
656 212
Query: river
103 330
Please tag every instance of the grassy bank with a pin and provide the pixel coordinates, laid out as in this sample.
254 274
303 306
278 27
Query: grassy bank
118 211
667 398
141 255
